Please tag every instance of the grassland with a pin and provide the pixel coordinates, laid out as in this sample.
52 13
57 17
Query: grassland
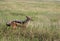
44 27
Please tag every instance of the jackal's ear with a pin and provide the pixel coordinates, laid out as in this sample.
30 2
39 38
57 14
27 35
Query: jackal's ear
28 17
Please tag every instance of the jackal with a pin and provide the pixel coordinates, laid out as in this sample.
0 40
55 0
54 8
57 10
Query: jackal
22 24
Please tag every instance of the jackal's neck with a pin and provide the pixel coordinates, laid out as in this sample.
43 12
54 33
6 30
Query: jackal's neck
27 20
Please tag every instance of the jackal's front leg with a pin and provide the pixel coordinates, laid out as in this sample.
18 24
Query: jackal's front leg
23 28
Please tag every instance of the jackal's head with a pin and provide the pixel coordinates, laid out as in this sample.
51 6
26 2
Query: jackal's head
28 17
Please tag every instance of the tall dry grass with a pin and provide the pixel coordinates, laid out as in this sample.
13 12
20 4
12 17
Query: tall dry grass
44 27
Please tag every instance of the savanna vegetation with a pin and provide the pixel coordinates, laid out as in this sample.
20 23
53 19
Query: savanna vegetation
44 27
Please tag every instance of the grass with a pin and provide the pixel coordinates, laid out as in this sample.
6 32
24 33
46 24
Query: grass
44 27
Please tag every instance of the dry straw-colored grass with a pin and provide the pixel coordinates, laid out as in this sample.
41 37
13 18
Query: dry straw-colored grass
44 27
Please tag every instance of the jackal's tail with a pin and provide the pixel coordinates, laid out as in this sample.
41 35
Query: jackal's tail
8 24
